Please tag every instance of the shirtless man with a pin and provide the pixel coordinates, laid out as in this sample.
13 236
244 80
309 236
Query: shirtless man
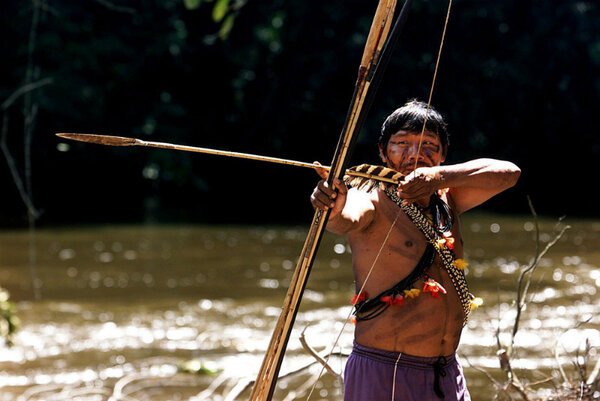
407 352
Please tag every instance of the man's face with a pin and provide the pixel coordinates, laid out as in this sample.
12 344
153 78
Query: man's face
402 153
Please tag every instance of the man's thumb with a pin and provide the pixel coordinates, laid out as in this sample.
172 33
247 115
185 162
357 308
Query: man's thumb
323 173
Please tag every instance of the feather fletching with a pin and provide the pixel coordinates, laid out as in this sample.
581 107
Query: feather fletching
367 177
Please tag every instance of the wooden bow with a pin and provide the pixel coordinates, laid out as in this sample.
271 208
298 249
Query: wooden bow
375 57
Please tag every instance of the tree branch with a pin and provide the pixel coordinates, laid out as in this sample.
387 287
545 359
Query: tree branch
12 166
117 8
23 90
318 357
521 294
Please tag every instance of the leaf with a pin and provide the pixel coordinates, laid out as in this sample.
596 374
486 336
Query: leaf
192 4
219 10
226 27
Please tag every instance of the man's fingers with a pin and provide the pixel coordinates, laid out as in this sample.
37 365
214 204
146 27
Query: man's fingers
329 196
325 194
325 199
318 203
323 173
412 196
340 186
409 199
324 187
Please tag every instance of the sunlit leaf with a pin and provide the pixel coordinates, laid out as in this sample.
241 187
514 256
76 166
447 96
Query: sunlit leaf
219 10
226 27
192 4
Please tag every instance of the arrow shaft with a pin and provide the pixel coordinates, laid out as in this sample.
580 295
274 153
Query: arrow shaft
125 141
250 156
238 155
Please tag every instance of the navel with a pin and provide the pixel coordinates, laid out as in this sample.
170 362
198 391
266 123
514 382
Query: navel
408 243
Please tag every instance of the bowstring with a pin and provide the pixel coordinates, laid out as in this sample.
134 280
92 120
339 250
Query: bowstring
437 63
350 314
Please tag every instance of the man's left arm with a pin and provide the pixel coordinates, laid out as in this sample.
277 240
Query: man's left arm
471 183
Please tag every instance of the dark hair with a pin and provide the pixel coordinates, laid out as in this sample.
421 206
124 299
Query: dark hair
411 117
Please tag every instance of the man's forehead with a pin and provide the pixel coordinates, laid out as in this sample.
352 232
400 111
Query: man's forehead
426 133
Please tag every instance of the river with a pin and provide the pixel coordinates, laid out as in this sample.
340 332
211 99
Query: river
123 308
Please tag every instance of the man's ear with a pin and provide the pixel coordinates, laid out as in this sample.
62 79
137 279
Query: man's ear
444 153
382 154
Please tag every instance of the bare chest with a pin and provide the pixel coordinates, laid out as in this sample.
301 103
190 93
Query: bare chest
384 254
390 247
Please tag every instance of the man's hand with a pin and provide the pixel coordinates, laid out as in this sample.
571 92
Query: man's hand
325 196
419 185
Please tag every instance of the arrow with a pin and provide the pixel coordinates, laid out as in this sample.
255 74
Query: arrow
111 140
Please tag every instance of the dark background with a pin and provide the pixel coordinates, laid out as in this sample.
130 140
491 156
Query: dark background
518 80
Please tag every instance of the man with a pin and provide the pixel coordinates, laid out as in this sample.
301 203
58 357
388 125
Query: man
406 337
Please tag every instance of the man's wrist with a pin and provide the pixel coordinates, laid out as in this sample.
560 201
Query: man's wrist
437 179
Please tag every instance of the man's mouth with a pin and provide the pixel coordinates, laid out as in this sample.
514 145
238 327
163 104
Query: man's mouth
409 168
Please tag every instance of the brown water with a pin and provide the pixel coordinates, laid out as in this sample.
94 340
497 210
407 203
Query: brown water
122 306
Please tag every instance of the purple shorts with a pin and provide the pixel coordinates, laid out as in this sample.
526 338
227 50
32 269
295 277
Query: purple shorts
369 376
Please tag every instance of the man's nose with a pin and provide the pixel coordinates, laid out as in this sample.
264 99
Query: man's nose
415 153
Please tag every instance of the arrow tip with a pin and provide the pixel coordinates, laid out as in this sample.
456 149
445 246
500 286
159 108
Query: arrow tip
100 139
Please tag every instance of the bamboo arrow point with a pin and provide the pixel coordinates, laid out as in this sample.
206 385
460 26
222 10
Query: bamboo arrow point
101 139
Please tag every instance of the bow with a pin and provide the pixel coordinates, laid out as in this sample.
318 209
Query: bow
375 57
453 270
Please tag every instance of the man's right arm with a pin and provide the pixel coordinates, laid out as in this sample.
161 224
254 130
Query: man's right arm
350 210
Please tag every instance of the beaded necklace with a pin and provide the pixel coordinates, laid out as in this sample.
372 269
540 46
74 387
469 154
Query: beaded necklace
443 247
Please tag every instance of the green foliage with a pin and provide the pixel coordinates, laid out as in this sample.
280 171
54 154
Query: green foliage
192 4
517 80
9 322
223 12
220 10
226 27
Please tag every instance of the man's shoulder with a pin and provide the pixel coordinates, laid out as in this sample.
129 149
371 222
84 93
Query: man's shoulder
361 195
379 205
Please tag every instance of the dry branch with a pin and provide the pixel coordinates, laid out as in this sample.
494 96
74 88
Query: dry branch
569 391
318 357
522 293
